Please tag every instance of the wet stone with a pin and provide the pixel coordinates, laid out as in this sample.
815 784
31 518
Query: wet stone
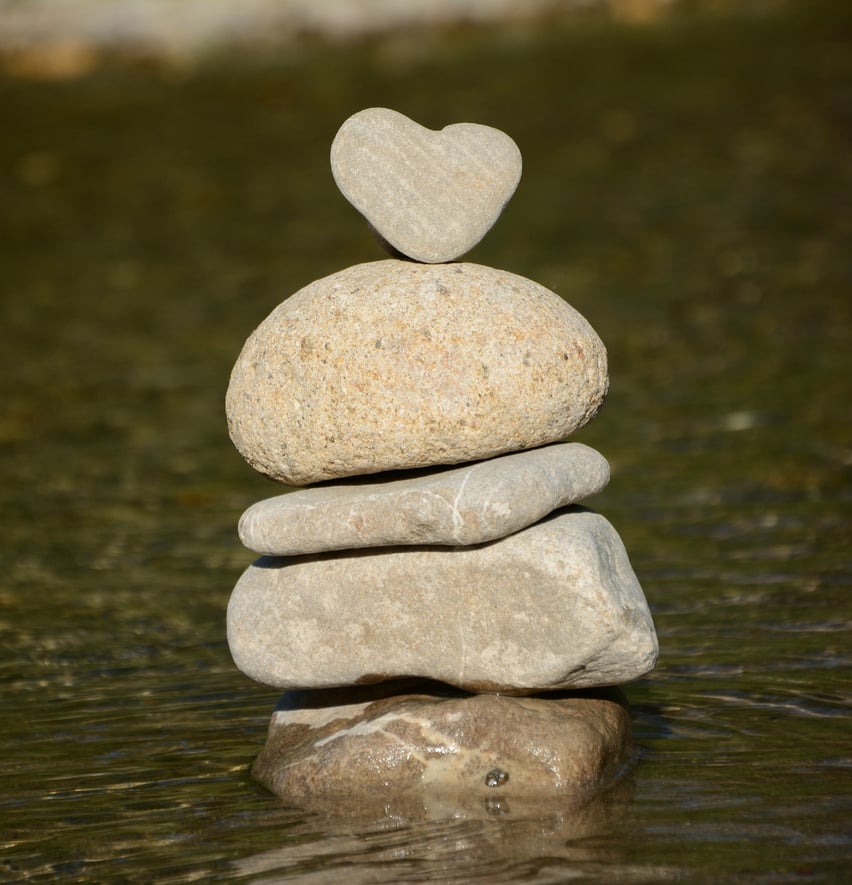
355 746
466 505
496 778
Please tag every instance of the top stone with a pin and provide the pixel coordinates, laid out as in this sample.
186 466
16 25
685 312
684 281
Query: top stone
430 195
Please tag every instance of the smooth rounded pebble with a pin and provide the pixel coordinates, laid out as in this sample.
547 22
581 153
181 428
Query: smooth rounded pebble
498 752
466 505
554 606
431 195
393 365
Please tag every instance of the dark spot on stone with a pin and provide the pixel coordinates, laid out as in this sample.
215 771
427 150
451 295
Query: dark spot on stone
496 777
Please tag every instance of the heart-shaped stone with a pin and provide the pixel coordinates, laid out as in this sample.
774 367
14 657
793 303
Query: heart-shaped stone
431 195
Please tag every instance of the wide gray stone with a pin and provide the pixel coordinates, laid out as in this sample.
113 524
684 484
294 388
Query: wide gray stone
394 365
355 749
466 505
556 605
431 195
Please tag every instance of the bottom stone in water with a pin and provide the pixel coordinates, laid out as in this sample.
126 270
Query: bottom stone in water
349 750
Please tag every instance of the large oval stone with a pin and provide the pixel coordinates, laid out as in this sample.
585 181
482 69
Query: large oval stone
554 606
392 365
354 749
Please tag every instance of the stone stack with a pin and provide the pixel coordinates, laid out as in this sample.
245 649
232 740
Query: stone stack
439 610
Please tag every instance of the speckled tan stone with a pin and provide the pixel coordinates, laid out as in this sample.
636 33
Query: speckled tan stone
334 750
431 195
479 502
554 606
392 365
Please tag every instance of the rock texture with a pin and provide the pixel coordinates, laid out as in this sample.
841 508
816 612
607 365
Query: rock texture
499 751
431 195
445 552
393 365
466 505
554 606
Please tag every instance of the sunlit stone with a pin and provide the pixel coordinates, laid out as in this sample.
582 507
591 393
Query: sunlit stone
463 505
431 195
350 748
556 605
393 365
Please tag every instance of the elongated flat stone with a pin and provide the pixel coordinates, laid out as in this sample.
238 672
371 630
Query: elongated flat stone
466 505
352 748
556 605
394 365
431 195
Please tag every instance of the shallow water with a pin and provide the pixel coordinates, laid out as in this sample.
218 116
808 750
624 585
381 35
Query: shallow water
686 187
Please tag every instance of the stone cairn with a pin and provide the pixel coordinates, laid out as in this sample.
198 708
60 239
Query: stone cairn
442 629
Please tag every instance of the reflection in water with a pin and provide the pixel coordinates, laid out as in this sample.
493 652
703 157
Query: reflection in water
486 842
451 834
